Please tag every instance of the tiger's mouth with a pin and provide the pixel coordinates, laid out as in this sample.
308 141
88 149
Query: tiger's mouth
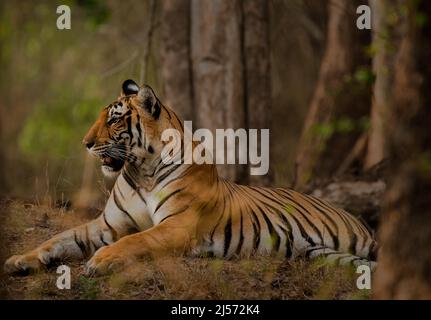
111 164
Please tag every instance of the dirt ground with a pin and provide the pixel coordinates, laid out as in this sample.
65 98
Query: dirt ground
25 225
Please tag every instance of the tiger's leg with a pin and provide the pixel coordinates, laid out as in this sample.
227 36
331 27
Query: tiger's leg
337 257
75 243
173 236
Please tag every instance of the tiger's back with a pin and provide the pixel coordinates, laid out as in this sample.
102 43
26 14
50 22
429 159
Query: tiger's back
281 222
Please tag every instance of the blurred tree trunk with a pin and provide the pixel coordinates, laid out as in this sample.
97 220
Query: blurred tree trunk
2 142
405 235
175 56
215 67
4 76
382 64
257 75
339 98
218 71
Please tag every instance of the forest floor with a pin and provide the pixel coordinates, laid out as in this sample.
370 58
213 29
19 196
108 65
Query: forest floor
26 225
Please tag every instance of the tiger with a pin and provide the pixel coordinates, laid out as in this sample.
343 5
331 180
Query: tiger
156 209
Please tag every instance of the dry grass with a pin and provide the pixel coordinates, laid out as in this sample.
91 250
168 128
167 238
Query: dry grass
25 225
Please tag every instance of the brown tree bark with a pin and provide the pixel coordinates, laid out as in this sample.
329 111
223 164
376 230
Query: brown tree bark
405 257
175 56
337 64
218 72
383 63
257 82
215 67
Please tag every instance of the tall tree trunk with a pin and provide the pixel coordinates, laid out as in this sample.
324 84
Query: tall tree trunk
218 72
382 66
257 75
4 78
175 55
405 235
336 65
215 67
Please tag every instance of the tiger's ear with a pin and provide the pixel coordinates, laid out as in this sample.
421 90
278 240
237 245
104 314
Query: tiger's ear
148 100
129 87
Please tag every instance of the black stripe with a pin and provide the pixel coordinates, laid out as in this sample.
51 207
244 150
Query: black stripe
166 109
353 241
127 175
352 235
138 125
120 207
175 213
129 128
179 122
160 166
334 237
273 233
304 233
102 240
129 179
227 235
300 210
358 234
95 246
113 231
167 173
79 243
121 193
303 212
166 199
88 238
288 233
177 178
288 246
157 111
373 250
299 225
145 138
141 197
218 222
256 230
310 250
286 226
241 235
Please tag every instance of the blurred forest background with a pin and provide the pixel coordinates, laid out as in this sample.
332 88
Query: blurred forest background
339 102
55 82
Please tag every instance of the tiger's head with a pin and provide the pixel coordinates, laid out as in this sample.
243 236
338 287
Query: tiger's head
127 129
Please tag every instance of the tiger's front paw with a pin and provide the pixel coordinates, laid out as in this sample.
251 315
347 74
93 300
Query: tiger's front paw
107 260
23 264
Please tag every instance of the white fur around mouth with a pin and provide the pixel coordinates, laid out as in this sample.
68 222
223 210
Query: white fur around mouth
107 168
109 171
